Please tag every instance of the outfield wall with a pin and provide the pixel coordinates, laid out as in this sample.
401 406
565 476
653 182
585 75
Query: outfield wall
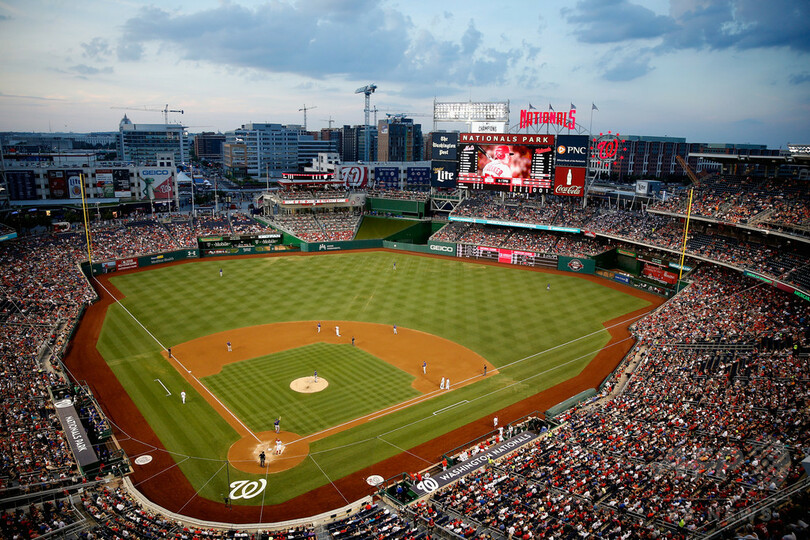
147 260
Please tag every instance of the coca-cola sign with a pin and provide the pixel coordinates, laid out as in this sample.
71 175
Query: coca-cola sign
569 181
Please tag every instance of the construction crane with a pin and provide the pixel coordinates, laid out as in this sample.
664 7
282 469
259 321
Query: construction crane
689 172
329 120
305 109
367 91
165 110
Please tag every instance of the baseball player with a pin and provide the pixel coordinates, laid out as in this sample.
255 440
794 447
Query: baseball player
495 422
279 447
229 346
352 341
169 350
337 331
498 168
183 397
316 375
261 458
395 265
220 272
277 424
441 386
395 329
548 287
447 384
319 327
485 370
424 367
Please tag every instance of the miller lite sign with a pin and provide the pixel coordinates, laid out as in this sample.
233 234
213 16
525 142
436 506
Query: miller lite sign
444 174
569 181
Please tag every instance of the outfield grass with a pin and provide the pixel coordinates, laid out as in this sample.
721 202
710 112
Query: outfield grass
258 390
537 338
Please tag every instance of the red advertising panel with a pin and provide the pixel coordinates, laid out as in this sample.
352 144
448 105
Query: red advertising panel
520 163
569 181
57 184
354 176
659 274
165 189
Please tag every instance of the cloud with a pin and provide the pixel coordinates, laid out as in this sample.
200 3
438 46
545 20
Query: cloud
628 69
85 70
363 41
5 18
799 78
36 98
613 21
97 48
695 24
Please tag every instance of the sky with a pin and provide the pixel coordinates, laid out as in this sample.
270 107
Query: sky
735 71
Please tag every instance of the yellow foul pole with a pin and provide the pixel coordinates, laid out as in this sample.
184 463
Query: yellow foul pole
685 232
86 225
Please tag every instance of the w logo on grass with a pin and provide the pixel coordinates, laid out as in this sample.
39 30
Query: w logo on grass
245 489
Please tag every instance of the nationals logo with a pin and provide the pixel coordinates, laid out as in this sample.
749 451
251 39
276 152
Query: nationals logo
354 176
244 489
575 265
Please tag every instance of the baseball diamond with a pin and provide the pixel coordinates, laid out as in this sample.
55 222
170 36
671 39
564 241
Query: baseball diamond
378 413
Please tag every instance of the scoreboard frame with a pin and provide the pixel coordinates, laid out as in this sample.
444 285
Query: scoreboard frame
530 160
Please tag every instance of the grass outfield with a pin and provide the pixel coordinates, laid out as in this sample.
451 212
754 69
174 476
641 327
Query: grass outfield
538 338
378 227
359 384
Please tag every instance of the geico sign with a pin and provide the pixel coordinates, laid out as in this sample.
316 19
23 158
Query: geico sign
446 249
155 172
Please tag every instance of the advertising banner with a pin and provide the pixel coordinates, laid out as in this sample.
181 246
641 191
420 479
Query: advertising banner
157 182
442 248
121 183
444 174
572 151
21 185
75 433
74 183
657 273
354 176
386 178
443 146
57 184
569 181
463 468
418 176
580 265
104 183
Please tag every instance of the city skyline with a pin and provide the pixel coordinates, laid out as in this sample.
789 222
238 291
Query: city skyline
715 72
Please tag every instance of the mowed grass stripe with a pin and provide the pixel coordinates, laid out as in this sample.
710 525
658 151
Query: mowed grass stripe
503 313
258 390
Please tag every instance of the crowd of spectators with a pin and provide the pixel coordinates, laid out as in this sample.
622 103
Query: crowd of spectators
660 231
398 194
698 435
322 227
779 204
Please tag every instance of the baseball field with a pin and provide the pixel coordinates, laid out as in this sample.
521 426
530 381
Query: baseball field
373 399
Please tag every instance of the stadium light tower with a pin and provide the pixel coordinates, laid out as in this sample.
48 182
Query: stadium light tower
367 90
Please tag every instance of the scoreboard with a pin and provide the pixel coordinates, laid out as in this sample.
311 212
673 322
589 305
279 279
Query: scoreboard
518 163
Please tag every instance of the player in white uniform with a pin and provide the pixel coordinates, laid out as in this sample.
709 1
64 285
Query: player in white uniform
498 168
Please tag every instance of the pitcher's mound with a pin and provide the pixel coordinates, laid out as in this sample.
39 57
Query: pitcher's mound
308 385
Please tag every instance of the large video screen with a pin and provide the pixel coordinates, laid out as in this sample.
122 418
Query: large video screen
519 163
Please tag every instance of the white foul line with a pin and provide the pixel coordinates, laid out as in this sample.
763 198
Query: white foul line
173 357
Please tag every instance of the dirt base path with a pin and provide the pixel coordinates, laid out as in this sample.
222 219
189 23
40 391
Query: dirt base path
174 492
427 357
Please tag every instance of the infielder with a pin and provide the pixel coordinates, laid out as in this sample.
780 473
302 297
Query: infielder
229 346
183 397
395 329
337 331
319 328
424 367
